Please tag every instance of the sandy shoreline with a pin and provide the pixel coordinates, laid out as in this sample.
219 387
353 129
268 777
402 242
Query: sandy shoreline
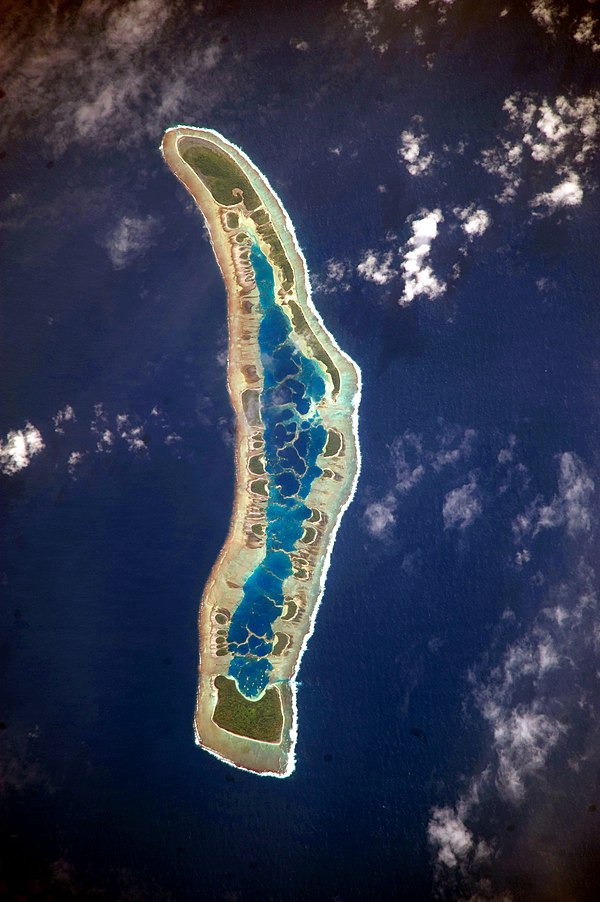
243 752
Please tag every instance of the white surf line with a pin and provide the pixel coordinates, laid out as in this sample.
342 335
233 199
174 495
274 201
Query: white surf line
291 764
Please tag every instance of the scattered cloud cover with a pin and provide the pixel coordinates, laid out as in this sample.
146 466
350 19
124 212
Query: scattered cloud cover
419 278
376 267
19 447
556 139
412 149
65 415
548 14
571 506
587 32
463 505
411 460
95 74
552 15
335 277
130 239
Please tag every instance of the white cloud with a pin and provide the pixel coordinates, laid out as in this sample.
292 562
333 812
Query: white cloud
131 238
547 14
455 445
570 507
451 840
135 24
411 149
75 458
405 5
474 220
567 194
18 449
90 76
555 137
334 279
411 461
585 33
379 516
419 278
462 506
523 739
377 267
132 435
65 415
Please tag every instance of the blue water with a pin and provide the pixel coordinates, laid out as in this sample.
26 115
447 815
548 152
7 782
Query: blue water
101 575
294 437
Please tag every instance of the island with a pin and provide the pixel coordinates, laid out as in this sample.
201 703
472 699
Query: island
295 395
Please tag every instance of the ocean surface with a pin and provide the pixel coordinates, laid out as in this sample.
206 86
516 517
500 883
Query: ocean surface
104 556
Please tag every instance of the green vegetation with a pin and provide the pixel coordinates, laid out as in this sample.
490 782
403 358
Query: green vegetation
334 443
220 172
282 640
250 405
256 465
317 350
259 487
261 720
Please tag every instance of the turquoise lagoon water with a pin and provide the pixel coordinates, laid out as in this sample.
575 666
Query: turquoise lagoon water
294 437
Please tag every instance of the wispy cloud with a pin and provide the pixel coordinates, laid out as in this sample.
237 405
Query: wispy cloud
107 72
463 505
18 449
547 13
335 277
65 415
570 506
540 717
410 461
130 239
587 32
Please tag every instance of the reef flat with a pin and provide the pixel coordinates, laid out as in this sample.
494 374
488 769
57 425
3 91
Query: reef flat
295 395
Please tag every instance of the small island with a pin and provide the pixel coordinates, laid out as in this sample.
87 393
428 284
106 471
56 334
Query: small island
295 395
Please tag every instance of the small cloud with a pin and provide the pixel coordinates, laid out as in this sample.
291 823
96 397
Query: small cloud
297 44
523 739
66 415
379 517
75 458
567 194
570 507
135 24
462 506
335 277
18 449
419 278
547 14
474 220
586 33
412 149
377 267
449 837
131 238
132 435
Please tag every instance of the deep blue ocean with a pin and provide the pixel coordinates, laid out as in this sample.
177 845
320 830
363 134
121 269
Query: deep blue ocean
102 564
